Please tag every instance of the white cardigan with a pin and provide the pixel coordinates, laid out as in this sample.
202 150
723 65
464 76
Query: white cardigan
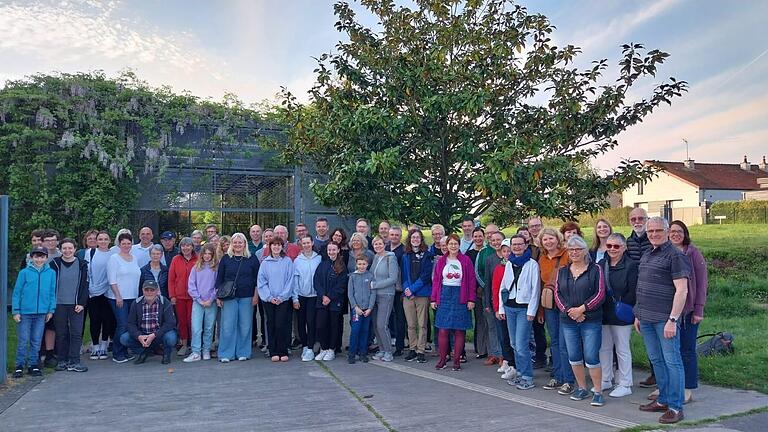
528 286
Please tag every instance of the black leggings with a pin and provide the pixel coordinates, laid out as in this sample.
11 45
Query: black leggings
278 320
327 327
103 322
306 318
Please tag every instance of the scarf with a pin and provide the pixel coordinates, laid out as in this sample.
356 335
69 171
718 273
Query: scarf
520 261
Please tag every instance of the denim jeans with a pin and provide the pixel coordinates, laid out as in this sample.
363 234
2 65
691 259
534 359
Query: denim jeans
29 336
494 344
119 351
519 336
667 363
203 319
688 332
502 334
236 327
583 342
168 342
358 338
561 369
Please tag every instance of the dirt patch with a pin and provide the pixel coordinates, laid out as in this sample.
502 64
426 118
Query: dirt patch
722 264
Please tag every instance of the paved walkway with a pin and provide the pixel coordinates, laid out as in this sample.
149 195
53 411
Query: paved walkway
334 396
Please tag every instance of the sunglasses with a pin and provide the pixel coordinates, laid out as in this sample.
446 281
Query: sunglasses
613 246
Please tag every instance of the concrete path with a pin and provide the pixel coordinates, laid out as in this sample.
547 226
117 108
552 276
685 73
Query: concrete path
334 396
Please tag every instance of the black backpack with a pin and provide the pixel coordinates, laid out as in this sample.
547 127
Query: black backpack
718 343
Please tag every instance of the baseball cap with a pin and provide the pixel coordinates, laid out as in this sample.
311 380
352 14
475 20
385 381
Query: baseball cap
38 251
150 284
167 235
506 242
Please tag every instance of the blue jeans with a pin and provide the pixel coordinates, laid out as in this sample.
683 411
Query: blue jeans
688 332
582 340
236 327
358 338
561 369
667 364
203 319
168 342
519 336
119 351
29 336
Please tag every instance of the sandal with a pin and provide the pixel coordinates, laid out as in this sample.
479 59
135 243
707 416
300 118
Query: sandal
275 358
284 358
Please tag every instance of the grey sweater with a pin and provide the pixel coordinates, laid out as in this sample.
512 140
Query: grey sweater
359 290
386 273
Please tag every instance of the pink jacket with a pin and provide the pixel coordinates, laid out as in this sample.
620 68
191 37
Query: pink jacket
468 280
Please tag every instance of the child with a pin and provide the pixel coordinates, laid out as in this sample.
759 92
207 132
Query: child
202 290
34 301
361 301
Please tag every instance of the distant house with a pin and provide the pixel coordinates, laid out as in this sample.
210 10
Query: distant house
684 190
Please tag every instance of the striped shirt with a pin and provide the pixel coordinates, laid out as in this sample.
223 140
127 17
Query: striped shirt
658 269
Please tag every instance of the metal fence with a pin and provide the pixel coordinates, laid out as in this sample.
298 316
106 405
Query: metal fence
738 216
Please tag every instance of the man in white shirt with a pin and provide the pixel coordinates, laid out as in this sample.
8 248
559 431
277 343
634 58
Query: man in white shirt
141 251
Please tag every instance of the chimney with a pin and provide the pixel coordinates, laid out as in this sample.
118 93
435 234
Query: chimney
746 166
762 165
689 164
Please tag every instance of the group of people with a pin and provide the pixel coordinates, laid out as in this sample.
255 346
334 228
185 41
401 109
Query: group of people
223 296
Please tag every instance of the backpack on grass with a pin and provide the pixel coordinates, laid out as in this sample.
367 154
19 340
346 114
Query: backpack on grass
718 343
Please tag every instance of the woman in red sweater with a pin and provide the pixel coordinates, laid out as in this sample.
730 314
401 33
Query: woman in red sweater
178 283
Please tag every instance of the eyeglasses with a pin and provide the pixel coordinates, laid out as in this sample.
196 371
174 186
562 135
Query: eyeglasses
637 219
654 231
674 231
613 246
573 250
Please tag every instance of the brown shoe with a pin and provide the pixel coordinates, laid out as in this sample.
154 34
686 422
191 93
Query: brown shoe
654 395
648 382
654 407
490 361
670 416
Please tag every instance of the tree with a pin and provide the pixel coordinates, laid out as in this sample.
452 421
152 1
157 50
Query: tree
462 107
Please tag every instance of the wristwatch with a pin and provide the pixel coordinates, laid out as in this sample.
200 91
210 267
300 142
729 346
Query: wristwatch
673 319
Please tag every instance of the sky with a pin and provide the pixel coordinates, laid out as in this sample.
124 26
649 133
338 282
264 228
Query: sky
253 47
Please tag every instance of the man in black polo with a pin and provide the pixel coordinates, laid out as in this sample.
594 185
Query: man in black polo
662 286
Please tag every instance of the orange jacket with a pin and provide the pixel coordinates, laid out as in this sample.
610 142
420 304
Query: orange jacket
178 276
548 267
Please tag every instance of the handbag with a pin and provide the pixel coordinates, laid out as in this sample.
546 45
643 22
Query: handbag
622 310
718 343
226 290
547 300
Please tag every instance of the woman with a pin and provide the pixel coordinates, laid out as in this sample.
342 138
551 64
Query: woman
693 312
242 269
102 319
579 294
339 236
202 289
156 270
454 288
523 231
89 242
275 288
385 276
178 290
621 279
305 296
330 281
123 274
603 229
417 287
358 246
197 240
507 367
222 246
518 303
553 257
570 229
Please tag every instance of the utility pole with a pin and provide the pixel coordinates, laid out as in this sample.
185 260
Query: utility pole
686 149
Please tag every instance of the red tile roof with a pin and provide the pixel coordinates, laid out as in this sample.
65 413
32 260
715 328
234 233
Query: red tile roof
714 176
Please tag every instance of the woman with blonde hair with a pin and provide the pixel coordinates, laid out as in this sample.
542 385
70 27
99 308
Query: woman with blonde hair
222 246
358 245
603 229
202 290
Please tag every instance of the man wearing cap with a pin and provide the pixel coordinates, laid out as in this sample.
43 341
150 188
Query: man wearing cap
168 240
151 323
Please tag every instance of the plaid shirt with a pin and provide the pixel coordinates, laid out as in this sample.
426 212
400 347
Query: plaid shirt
150 320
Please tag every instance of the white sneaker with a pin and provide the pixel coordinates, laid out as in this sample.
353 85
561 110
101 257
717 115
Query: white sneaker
94 353
307 355
206 355
504 367
329 355
320 355
620 391
510 374
192 358
241 358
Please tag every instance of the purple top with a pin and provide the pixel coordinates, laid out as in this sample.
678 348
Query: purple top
468 280
697 283
202 284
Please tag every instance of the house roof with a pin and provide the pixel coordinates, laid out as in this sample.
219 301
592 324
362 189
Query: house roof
713 175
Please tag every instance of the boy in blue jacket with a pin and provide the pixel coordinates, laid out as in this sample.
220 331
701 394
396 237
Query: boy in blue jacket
361 302
34 301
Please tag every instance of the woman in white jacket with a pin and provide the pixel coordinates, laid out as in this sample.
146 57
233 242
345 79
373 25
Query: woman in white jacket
518 302
304 295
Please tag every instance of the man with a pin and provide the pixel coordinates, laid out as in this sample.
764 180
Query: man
485 330
662 286
467 228
438 232
51 242
255 245
397 322
151 323
211 230
534 227
266 237
36 239
300 230
637 243
140 251
168 240
384 227
291 249
321 235
364 227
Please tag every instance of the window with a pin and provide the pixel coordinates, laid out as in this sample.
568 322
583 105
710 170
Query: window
640 188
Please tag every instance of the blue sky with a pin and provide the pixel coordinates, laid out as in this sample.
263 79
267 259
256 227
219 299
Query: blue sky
252 47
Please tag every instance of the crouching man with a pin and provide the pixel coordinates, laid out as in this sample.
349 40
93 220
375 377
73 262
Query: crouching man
151 324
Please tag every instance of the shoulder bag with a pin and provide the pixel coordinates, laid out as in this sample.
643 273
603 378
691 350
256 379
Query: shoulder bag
226 290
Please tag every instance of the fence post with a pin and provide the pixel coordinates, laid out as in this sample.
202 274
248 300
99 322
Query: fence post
4 209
